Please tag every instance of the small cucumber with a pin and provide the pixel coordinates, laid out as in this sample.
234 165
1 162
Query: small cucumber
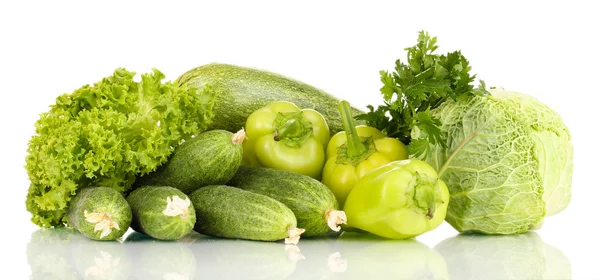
162 212
210 158
239 91
229 212
99 213
313 203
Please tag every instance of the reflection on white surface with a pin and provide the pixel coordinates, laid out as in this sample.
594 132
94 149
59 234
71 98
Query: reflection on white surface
154 259
523 256
241 259
48 254
363 256
99 259
370 257
103 266
65 254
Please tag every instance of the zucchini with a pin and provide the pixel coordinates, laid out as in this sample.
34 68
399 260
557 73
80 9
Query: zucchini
99 213
229 212
162 212
314 205
210 158
242 90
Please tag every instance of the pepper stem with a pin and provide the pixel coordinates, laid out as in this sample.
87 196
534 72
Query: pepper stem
292 128
425 198
355 147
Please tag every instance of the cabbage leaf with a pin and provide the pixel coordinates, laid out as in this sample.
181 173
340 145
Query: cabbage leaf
507 161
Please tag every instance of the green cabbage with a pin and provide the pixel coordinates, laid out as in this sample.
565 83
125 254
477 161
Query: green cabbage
508 162
107 133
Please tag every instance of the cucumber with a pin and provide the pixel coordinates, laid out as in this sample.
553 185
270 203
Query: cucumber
99 213
314 205
229 212
242 90
162 212
210 158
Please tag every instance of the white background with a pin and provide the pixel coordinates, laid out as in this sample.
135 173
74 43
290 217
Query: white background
545 49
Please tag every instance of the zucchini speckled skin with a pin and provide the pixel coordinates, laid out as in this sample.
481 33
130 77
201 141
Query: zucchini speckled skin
310 200
241 91
229 212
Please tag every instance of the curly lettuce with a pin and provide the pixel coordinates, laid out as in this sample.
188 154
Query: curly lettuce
106 134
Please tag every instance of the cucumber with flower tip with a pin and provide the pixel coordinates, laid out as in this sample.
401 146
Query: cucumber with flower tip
210 158
162 212
99 213
313 203
229 212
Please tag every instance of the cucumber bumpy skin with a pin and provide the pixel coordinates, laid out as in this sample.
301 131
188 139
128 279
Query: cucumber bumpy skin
242 90
210 158
162 212
229 212
100 213
314 205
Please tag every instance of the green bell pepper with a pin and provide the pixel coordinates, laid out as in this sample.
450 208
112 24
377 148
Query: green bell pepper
282 136
354 152
399 200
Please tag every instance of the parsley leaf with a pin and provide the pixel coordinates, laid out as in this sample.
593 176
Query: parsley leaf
423 83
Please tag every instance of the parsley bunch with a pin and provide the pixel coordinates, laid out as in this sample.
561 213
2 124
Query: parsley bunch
416 87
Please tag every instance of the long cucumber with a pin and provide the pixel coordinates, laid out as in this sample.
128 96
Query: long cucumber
313 203
229 212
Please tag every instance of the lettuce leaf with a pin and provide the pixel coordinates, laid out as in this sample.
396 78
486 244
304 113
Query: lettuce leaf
107 133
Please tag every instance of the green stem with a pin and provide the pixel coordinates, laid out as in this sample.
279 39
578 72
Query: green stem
289 128
355 147
425 198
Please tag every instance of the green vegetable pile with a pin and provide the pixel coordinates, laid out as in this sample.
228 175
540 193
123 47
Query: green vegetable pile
105 135
507 158
241 153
